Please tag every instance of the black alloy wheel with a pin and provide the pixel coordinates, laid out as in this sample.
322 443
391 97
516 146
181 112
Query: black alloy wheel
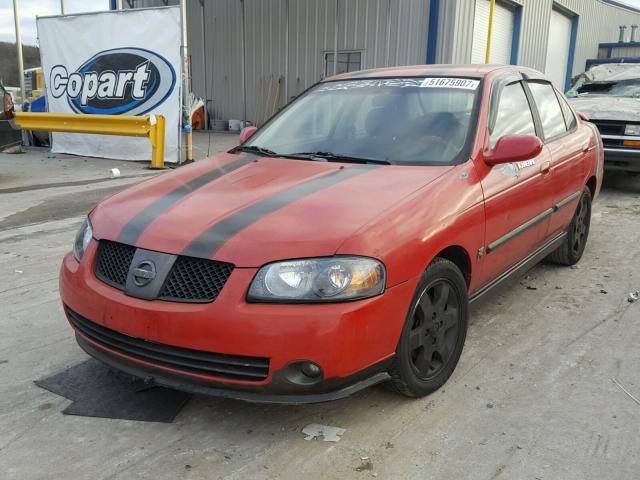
571 250
434 331
580 226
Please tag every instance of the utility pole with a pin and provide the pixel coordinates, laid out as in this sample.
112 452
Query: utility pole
185 120
16 17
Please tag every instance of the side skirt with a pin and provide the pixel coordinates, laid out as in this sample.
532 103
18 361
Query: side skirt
521 267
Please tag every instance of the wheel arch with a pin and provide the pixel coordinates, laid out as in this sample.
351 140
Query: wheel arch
460 257
592 184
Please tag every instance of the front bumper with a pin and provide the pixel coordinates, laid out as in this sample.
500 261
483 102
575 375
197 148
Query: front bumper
625 159
155 376
352 342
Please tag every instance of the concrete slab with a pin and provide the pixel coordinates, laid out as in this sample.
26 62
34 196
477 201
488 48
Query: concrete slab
532 398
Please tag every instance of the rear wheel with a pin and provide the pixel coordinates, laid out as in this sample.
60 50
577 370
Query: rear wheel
571 250
434 332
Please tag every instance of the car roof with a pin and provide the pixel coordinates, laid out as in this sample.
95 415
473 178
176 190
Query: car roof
470 70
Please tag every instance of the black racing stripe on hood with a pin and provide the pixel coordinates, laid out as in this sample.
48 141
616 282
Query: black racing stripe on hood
134 228
210 241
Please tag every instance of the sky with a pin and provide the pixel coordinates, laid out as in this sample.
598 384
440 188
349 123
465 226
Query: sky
30 8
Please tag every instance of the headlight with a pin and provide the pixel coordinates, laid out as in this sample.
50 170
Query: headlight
632 130
333 279
83 237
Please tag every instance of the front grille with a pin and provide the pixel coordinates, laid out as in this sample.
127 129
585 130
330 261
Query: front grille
610 128
220 365
195 280
114 260
190 280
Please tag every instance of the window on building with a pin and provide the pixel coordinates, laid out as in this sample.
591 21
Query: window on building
347 62
549 109
513 115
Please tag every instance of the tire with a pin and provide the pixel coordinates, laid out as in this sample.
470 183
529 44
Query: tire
434 331
571 250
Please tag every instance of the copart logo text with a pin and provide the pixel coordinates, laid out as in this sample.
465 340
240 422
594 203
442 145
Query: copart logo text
113 82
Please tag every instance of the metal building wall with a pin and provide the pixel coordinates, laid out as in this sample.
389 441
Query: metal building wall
387 32
598 22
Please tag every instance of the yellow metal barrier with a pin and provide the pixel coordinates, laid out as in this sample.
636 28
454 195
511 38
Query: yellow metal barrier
150 126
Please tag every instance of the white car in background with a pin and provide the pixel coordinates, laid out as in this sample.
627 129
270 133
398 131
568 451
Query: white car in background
609 95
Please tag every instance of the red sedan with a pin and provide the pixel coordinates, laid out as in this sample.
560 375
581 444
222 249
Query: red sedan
340 244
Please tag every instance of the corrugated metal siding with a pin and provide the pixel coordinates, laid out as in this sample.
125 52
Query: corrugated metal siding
598 23
387 32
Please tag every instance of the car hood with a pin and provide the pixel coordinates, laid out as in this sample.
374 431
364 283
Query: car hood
608 108
249 210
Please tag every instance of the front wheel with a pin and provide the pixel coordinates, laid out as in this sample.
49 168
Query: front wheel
434 332
571 250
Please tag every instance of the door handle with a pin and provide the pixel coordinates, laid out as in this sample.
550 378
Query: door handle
545 167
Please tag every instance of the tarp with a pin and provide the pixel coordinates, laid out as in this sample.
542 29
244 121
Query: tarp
126 62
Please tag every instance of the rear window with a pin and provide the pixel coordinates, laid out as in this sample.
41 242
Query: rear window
549 109
623 88
569 117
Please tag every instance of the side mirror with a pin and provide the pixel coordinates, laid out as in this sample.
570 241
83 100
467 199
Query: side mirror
513 148
247 133
583 117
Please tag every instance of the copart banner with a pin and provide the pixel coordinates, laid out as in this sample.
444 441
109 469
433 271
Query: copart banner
113 63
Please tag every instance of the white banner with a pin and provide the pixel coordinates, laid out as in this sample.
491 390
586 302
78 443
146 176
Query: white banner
114 63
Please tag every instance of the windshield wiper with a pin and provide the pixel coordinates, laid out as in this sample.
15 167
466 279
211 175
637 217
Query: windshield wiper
255 149
336 157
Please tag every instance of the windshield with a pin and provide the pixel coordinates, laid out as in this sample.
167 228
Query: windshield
623 88
400 121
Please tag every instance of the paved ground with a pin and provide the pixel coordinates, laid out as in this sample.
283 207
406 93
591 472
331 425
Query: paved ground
532 398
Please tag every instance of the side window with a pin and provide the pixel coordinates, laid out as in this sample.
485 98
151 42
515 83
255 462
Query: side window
549 109
569 117
513 115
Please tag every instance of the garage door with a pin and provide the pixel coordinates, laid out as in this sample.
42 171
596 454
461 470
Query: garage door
558 48
501 36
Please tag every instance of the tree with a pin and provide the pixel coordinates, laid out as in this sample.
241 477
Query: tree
9 62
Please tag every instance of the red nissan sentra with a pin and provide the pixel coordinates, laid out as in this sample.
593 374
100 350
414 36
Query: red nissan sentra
340 245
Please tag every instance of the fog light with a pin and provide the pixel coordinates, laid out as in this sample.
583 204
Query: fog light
311 369
302 373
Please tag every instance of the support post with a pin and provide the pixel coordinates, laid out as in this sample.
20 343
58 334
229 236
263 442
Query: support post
487 58
16 18
156 137
204 64
185 74
286 53
335 39
243 61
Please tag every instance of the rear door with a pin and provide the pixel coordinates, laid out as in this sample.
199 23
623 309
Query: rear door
516 204
568 145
